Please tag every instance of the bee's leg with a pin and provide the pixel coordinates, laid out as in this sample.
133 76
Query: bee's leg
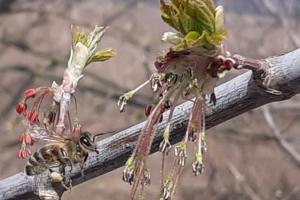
66 181
68 162
65 159
82 164
213 98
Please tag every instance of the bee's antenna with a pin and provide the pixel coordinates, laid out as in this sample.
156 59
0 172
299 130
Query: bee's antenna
99 134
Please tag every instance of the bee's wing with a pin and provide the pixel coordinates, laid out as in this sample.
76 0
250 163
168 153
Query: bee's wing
40 132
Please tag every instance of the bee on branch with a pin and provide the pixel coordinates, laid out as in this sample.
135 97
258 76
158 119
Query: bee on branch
64 152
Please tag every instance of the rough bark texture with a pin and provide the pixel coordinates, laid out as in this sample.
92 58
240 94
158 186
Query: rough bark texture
234 97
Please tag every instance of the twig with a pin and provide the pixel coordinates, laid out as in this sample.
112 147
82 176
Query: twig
287 147
240 178
234 97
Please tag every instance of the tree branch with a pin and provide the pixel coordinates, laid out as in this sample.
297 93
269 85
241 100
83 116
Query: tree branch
234 97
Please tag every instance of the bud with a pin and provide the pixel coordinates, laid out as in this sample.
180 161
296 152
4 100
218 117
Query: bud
33 117
26 138
172 38
229 63
129 170
51 117
23 153
160 65
148 110
30 93
21 108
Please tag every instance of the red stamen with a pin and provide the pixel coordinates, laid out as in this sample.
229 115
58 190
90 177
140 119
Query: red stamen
23 153
33 117
148 110
51 117
21 108
22 137
228 64
30 93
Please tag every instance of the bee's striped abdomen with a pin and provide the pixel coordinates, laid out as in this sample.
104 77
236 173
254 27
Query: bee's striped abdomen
46 158
35 165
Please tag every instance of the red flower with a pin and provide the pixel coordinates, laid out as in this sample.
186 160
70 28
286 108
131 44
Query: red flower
33 117
26 138
21 108
23 153
30 93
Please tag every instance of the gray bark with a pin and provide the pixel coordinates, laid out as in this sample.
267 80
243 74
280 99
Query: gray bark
234 97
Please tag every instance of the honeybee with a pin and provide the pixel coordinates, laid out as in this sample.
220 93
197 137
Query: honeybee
56 156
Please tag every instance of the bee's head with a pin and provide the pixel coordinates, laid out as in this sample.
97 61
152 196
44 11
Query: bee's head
86 140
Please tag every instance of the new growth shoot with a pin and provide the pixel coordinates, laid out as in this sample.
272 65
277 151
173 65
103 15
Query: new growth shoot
188 70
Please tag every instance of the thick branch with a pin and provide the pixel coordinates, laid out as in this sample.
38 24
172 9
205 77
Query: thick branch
234 97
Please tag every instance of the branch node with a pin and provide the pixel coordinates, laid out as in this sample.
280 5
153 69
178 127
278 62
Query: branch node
262 72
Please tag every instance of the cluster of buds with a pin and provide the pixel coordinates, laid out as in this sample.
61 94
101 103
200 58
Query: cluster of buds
29 108
22 106
37 95
26 140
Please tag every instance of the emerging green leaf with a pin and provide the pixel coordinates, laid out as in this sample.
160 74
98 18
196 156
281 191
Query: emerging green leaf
198 20
102 55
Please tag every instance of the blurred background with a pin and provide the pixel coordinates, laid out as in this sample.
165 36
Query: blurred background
245 160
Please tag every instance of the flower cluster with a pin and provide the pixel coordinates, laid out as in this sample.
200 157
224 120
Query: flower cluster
44 121
188 70
30 111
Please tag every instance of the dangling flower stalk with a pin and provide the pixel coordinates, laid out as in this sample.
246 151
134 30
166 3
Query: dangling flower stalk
188 70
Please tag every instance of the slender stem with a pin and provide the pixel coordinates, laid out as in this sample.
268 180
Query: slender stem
70 121
143 147
174 103
141 86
